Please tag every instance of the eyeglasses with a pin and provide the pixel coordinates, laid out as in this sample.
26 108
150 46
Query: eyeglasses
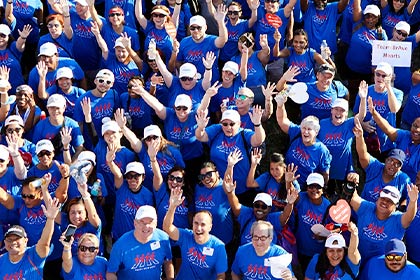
401 1
271 1
3 35
158 15
377 74
43 153
184 79
206 175
11 240
314 186
183 108
114 14
386 191
226 123
242 97
236 13
262 237
390 161
175 178
151 137
130 176
262 206
28 196
11 130
192 28
101 81
56 25
401 33
394 257
85 248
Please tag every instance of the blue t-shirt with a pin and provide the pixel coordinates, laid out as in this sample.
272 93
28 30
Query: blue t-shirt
131 259
337 273
309 214
23 269
255 69
411 164
338 139
248 265
390 19
127 6
234 33
70 97
321 25
196 93
220 148
97 270
11 57
376 269
230 93
122 72
10 183
412 237
63 44
412 107
319 102
141 113
305 62
110 36
200 261
163 40
215 201
309 159
24 12
375 233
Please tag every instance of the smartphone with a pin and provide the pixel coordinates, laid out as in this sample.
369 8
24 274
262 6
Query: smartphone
71 229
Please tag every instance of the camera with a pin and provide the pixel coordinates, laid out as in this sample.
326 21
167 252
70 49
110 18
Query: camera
348 188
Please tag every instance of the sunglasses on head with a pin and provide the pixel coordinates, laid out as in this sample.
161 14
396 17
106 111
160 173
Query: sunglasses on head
175 178
192 28
184 79
206 175
3 35
86 248
236 13
43 153
130 176
151 137
314 186
380 75
399 32
258 205
114 14
394 257
158 15
29 196
386 191
183 108
11 130
226 124
56 25
101 81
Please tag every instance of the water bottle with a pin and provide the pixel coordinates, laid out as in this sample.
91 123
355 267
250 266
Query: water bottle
152 49
324 47
95 188
37 183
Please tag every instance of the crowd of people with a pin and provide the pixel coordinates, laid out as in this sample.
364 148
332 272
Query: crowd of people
133 135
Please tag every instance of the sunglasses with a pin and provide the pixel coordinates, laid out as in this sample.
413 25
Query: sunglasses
226 123
56 25
386 191
29 196
114 14
175 178
184 79
85 248
401 1
242 97
101 81
183 108
43 153
151 137
236 13
271 1
314 186
401 33
150 60
380 75
262 238
262 206
206 175
3 35
11 130
158 15
192 28
394 257
130 176
2 160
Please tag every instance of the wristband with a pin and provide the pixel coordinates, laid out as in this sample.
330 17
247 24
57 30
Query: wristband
152 160
86 197
208 69
66 177
15 156
178 3
67 250
257 125
152 84
11 2
24 38
66 149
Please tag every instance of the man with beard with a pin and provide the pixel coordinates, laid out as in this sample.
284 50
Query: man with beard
203 255
392 265
320 20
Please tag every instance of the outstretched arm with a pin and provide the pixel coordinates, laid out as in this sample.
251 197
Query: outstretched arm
175 200
410 213
220 16
353 251
383 124
135 142
282 119
228 185
51 210
364 156
113 167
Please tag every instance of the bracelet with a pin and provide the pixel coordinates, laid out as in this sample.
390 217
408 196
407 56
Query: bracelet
208 69
11 2
153 160
66 16
66 177
86 197
257 125
15 156
152 84
178 3
65 150
24 38
67 250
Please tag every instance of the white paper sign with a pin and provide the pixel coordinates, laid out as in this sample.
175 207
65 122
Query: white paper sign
393 52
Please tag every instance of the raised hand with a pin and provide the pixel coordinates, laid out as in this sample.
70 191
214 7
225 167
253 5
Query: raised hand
120 117
234 157
290 174
363 89
263 40
176 197
111 150
371 106
51 208
269 90
64 170
153 149
65 7
27 29
85 104
212 91
256 114
95 29
125 40
353 228
42 69
413 192
4 72
228 184
357 129
157 80
254 4
66 136
12 143
221 12
277 35
291 73
83 189
201 119
209 60
292 195
256 156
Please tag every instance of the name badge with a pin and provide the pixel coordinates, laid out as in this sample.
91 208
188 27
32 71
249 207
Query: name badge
155 245
208 251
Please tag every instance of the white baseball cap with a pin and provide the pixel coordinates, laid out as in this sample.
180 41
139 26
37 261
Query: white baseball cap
341 103
232 115
152 130
82 2
105 73
44 144
187 70
4 29
48 49
392 193
403 26
315 178
198 20
118 43
146 211
64 72
135 166
110 125
56 100
14 119
4 152
384 67
232 67
87 155
264 197
372 9
335 241
183 100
